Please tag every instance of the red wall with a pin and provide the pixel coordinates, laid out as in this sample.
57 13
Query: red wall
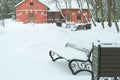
38 9
73 13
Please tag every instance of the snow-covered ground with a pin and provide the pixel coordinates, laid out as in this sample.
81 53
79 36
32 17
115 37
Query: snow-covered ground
24 50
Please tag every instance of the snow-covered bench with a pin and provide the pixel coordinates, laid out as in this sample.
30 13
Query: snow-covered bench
79 59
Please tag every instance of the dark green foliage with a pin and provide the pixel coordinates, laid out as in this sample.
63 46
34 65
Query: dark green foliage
7 8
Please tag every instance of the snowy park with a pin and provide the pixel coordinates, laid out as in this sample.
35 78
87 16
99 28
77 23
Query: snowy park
59 40
24 49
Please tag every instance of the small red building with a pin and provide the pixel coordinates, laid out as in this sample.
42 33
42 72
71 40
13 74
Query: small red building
31 11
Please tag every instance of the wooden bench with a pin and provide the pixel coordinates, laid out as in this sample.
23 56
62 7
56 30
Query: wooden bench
76 62
106 61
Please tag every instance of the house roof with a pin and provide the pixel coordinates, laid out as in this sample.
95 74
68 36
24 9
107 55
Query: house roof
19 3
74 5
52 5
25 0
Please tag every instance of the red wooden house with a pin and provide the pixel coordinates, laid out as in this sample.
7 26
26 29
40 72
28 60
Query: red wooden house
31 11
37 12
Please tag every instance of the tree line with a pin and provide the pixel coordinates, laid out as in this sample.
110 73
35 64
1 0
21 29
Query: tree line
7 8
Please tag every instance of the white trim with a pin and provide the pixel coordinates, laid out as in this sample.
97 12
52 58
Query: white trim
19 3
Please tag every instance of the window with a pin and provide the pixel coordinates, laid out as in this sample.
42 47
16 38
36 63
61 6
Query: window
31 3
79 16
51 16
31 17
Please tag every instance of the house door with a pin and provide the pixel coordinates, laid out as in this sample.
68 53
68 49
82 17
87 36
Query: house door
31 17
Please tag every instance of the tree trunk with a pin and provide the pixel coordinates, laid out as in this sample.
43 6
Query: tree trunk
102 16
80 7
114 18
90 13
59 8
109 13
96 10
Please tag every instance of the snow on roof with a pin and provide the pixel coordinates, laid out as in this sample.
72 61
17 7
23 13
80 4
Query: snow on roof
25 0
74 5
19 3
52 6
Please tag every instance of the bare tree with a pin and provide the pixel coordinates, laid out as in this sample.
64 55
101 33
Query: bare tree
59 8
91 14
102 16
81 10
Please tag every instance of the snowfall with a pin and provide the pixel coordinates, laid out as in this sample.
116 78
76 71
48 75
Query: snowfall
24 49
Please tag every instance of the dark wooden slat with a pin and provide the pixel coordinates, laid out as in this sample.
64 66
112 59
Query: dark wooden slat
110 53
110 61
110 65
104 74
110 70
110 49
110 57
107 67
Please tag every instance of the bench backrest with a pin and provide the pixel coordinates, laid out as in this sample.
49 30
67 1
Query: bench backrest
106 61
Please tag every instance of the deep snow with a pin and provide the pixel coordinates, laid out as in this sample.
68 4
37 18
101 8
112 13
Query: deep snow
24 50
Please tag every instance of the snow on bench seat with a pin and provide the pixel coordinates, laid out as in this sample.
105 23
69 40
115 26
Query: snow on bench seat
70 53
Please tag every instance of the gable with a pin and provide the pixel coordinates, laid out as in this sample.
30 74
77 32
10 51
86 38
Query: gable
31 4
